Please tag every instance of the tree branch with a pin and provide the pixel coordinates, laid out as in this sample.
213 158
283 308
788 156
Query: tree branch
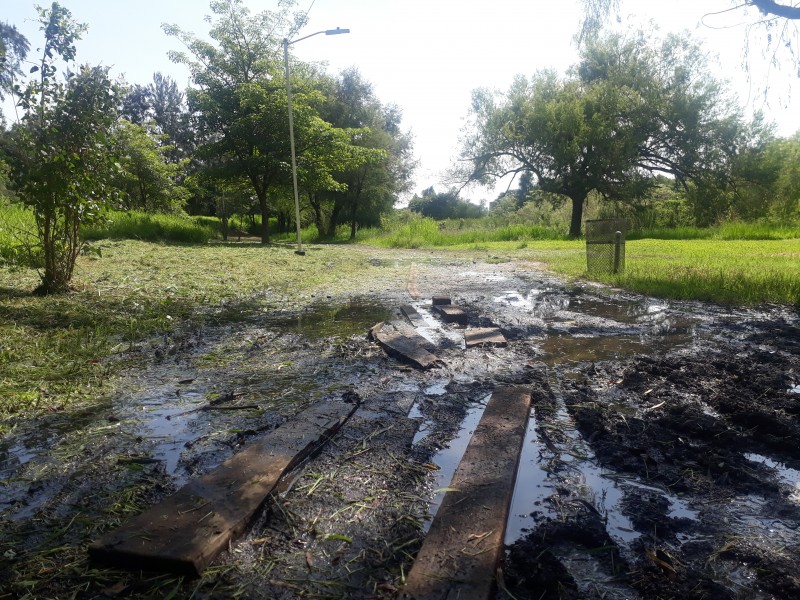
773 7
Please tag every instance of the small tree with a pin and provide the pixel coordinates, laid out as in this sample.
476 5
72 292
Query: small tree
61 157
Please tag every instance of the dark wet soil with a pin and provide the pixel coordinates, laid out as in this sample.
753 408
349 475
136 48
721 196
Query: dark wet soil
662 458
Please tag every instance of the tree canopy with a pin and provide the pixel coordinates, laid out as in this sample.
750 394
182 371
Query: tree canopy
630 109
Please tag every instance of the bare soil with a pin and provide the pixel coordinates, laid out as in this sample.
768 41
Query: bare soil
662 458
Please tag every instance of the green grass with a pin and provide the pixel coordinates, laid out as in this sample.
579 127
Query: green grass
425 232
738 272
53 349
142 226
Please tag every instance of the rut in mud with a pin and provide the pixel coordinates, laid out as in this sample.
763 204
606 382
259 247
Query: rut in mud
661 458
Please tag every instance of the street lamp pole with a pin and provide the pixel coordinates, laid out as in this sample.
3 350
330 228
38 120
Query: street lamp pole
286 44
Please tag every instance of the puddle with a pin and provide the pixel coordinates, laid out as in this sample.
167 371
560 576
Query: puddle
491 277
516 299
531 488
787 475
347 320
565 348
438 388
447 458
435 332
622 311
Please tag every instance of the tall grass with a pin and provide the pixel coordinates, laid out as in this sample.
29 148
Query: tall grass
17 228
420 232
151 227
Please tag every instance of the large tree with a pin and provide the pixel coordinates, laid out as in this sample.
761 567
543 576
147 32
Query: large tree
61 154
629 110
240 101
369 185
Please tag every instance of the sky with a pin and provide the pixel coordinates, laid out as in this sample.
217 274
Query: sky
426 56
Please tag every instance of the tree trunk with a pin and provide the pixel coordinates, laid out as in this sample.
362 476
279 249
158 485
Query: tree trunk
262 204
316 206
334 222
577 215
353 211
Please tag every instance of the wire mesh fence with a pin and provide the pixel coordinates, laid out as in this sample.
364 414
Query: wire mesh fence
605 245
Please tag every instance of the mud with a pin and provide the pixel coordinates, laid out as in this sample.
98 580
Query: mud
661 458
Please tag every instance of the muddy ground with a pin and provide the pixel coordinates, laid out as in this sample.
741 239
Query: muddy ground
662 457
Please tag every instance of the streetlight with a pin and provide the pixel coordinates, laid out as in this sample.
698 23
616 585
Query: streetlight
286 44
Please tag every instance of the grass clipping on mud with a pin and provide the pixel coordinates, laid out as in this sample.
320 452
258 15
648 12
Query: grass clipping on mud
53 348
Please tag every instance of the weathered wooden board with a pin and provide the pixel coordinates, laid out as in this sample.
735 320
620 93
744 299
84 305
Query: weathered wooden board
412 315
451 314
484 336
406 346
440 300
459 556
187 530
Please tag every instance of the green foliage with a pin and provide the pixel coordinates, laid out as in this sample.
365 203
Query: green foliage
137 225
369 187
632 108
147 181
241 103
445 205
61 155
14 48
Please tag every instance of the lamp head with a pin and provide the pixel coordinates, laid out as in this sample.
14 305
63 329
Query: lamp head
336 31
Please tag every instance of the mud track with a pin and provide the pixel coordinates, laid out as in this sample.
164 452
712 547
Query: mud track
662 459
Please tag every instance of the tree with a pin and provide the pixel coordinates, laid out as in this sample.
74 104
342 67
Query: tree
146 179
773 21
61 155
163 106
628 111
240 98
370 185
444 205
14 48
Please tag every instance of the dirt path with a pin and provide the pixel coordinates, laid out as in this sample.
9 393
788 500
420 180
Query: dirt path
662 459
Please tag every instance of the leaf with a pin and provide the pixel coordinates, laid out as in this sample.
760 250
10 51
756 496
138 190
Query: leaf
34 68
446 489
337 536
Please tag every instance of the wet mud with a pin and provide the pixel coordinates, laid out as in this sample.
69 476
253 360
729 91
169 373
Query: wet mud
661 459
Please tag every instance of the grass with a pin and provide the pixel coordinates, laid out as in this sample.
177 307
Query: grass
738 272
143 226
52 349
424 232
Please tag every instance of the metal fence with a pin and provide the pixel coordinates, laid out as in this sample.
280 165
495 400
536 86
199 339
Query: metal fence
605 245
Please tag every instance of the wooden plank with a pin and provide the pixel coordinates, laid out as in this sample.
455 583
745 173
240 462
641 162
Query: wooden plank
407 347
187 530
413 316
451 314
459 556
484 336
440 300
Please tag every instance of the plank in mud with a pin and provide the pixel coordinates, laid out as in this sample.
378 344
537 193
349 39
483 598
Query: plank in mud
409 347
412 315
484 336
450 313
459 556
187 530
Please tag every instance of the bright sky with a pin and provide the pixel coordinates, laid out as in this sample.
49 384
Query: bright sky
424 55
